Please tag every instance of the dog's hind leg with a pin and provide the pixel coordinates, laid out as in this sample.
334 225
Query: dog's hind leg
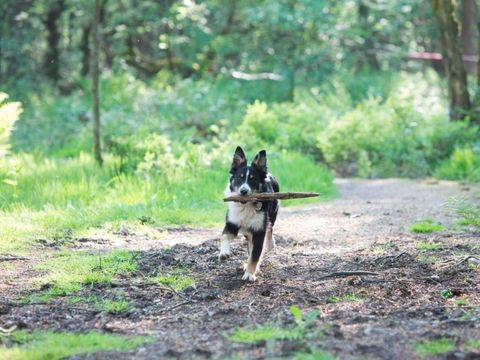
254 258
230 231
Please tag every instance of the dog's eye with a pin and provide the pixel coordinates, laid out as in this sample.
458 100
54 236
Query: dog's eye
250 177
241 175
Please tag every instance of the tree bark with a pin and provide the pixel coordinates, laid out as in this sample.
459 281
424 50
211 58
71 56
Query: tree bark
368 45
52 54
85 49
95 95
444 11
469 32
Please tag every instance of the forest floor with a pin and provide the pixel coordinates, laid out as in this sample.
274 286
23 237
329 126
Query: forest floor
426 288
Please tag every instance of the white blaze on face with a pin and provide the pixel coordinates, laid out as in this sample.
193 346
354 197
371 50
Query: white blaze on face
245 186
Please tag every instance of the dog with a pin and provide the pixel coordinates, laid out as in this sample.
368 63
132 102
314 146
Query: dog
254 220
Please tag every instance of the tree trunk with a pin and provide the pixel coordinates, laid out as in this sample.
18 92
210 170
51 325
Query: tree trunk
95 96
85 49
368 45
444 11
469 32
52 54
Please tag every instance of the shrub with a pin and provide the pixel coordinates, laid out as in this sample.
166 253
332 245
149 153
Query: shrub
9 113
463 164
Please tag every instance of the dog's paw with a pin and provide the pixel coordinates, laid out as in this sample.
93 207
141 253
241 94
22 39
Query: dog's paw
224 256
248 276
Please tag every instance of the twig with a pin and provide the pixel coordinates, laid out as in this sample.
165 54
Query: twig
4 331
347 273
466 259
175 306
12 258
271 196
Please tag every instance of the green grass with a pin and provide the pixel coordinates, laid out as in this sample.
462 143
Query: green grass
68 271
345 298
469 213
426 226
426 246
461 302
52 346
473 344
315 355
272 332
113 306
434 347
59 199
176 279
264 333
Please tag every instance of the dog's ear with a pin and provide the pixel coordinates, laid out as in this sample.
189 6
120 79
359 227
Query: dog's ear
238 160
260 161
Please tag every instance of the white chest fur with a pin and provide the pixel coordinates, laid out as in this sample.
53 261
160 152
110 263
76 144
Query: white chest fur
245 216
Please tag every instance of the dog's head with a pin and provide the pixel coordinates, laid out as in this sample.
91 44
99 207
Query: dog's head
247 179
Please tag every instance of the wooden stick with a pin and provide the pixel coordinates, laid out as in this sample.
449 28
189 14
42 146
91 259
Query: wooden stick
271 196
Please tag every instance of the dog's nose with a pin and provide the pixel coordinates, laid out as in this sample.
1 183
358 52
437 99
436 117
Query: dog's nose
244 191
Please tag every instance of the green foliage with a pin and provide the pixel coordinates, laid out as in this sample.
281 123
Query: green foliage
315 355
271 332
69 270
9 113
176 279
345 298
468 212
446 294
426 226
59 345
113 306
463 164
425 246
434 347
473 344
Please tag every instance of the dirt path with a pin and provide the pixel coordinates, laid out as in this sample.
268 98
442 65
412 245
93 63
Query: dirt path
374 317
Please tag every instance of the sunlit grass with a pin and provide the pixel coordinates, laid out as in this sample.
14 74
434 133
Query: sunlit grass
51 345
68 271
73 196
434 347
426 226
426 246
176 279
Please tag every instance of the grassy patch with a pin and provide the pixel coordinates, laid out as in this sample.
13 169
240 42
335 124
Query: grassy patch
69 270
272 332
461 302
50 345
315 355
425 246
473 344
426 226
176 279
469 213
113 306
345 298
434 347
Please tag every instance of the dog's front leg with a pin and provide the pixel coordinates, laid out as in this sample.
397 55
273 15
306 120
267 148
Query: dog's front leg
258 238
229 233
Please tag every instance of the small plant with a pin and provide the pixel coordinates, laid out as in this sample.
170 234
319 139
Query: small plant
271 332
113 306
469 213
461 302
434 347
473 344
426 226
53 346
175 279
315 355
446 294
346 297
428 246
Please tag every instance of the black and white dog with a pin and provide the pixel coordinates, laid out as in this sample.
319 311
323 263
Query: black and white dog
254 220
